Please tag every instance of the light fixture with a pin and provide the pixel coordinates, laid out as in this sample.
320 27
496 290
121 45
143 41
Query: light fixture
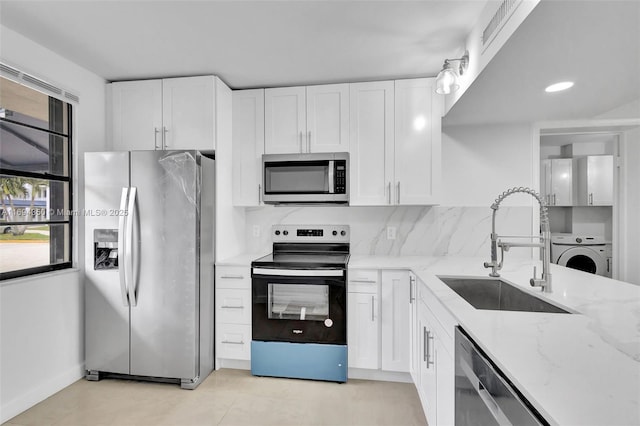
447 79
557 87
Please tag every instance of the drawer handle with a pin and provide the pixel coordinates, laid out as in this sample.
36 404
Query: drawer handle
241 342
232 307
233 277
363 281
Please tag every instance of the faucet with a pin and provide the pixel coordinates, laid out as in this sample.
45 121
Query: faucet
544 243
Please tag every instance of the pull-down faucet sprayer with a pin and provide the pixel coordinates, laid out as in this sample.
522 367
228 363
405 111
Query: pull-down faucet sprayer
544 241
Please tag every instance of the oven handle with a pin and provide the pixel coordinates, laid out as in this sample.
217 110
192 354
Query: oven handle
299 272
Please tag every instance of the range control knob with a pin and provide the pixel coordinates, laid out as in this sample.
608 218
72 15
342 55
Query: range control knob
277 232
285 232
578 240
343 233
335 233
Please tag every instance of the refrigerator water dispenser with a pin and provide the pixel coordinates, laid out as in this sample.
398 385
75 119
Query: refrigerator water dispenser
105 249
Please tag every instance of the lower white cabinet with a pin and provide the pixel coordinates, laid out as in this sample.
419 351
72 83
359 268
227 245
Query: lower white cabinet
395 329
363 320
233 312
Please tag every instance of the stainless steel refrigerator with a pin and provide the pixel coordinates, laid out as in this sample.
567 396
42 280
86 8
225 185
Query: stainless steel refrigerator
149 255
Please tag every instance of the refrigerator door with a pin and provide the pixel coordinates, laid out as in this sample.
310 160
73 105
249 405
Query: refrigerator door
106 305
164 321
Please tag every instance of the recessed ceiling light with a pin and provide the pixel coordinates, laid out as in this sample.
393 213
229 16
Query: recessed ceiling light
557 87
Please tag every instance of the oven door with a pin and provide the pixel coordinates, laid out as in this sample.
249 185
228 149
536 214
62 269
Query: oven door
301 306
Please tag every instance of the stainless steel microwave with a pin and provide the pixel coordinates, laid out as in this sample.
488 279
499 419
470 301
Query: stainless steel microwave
321 178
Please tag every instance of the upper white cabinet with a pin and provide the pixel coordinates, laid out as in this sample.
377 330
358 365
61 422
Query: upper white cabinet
174 113
307 119
595 180
371 143
557 182
395 143
395 297
417 145
248 146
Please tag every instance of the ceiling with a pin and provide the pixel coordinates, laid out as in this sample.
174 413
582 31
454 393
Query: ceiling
250 43
595 44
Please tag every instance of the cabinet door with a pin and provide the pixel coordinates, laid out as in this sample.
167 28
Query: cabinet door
394 320
427 367
371 143
445 380
545 181
285 120
188 111
136 113
418 112
562 182
600 180
248 146
328 118
362 330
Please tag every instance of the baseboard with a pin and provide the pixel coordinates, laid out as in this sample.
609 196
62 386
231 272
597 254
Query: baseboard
383 376
235 364
43 391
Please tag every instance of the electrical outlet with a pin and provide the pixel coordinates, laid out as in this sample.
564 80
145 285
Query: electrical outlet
256 231
391 232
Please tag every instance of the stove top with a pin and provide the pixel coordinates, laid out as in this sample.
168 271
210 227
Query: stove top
307 247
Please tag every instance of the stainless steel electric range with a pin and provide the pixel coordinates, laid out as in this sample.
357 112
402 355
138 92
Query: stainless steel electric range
299 304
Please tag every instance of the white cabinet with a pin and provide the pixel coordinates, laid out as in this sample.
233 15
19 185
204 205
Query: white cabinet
248 146
557 182
233 312
595 180
174 113
395 296
434 352
363 319
395 143
307 119
417 144
414 337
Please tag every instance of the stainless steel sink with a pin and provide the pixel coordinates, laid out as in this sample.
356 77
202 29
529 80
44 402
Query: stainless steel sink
498 295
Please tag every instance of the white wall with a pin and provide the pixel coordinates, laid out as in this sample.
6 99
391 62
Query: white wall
41 321
630 206
480 162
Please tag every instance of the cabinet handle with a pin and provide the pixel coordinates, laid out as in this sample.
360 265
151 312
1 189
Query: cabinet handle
398 193
424 345
554 199
411 281
300 141
259 194
608 264
389 192
241 342
429 339
155 137
164 137
373 302
591 198
231 307
233 277
309 141
355 280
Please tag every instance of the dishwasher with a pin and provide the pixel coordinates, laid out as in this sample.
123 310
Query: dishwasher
483 396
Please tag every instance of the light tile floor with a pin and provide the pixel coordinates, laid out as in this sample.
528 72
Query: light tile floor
229 397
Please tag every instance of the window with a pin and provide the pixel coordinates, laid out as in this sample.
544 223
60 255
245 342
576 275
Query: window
35 181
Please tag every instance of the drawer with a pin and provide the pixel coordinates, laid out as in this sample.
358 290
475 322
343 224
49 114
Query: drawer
233 341
233 306
363 280
233 277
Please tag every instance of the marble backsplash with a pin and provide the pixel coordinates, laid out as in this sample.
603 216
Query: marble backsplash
426 231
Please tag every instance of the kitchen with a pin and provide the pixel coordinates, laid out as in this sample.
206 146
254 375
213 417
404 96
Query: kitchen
459 226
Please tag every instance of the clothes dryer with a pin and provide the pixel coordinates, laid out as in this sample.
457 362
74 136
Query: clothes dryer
583 252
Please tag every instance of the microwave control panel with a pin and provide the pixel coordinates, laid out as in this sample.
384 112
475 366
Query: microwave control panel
340 173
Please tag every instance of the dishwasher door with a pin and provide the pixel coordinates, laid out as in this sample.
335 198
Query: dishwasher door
482 396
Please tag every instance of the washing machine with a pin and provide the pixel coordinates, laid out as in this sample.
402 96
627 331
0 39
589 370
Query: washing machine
583 252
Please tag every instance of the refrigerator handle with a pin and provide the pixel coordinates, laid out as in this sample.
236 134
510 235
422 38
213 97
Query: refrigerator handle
121 247
129 244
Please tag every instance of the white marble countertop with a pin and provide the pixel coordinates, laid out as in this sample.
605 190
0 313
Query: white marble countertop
243 259
578 369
